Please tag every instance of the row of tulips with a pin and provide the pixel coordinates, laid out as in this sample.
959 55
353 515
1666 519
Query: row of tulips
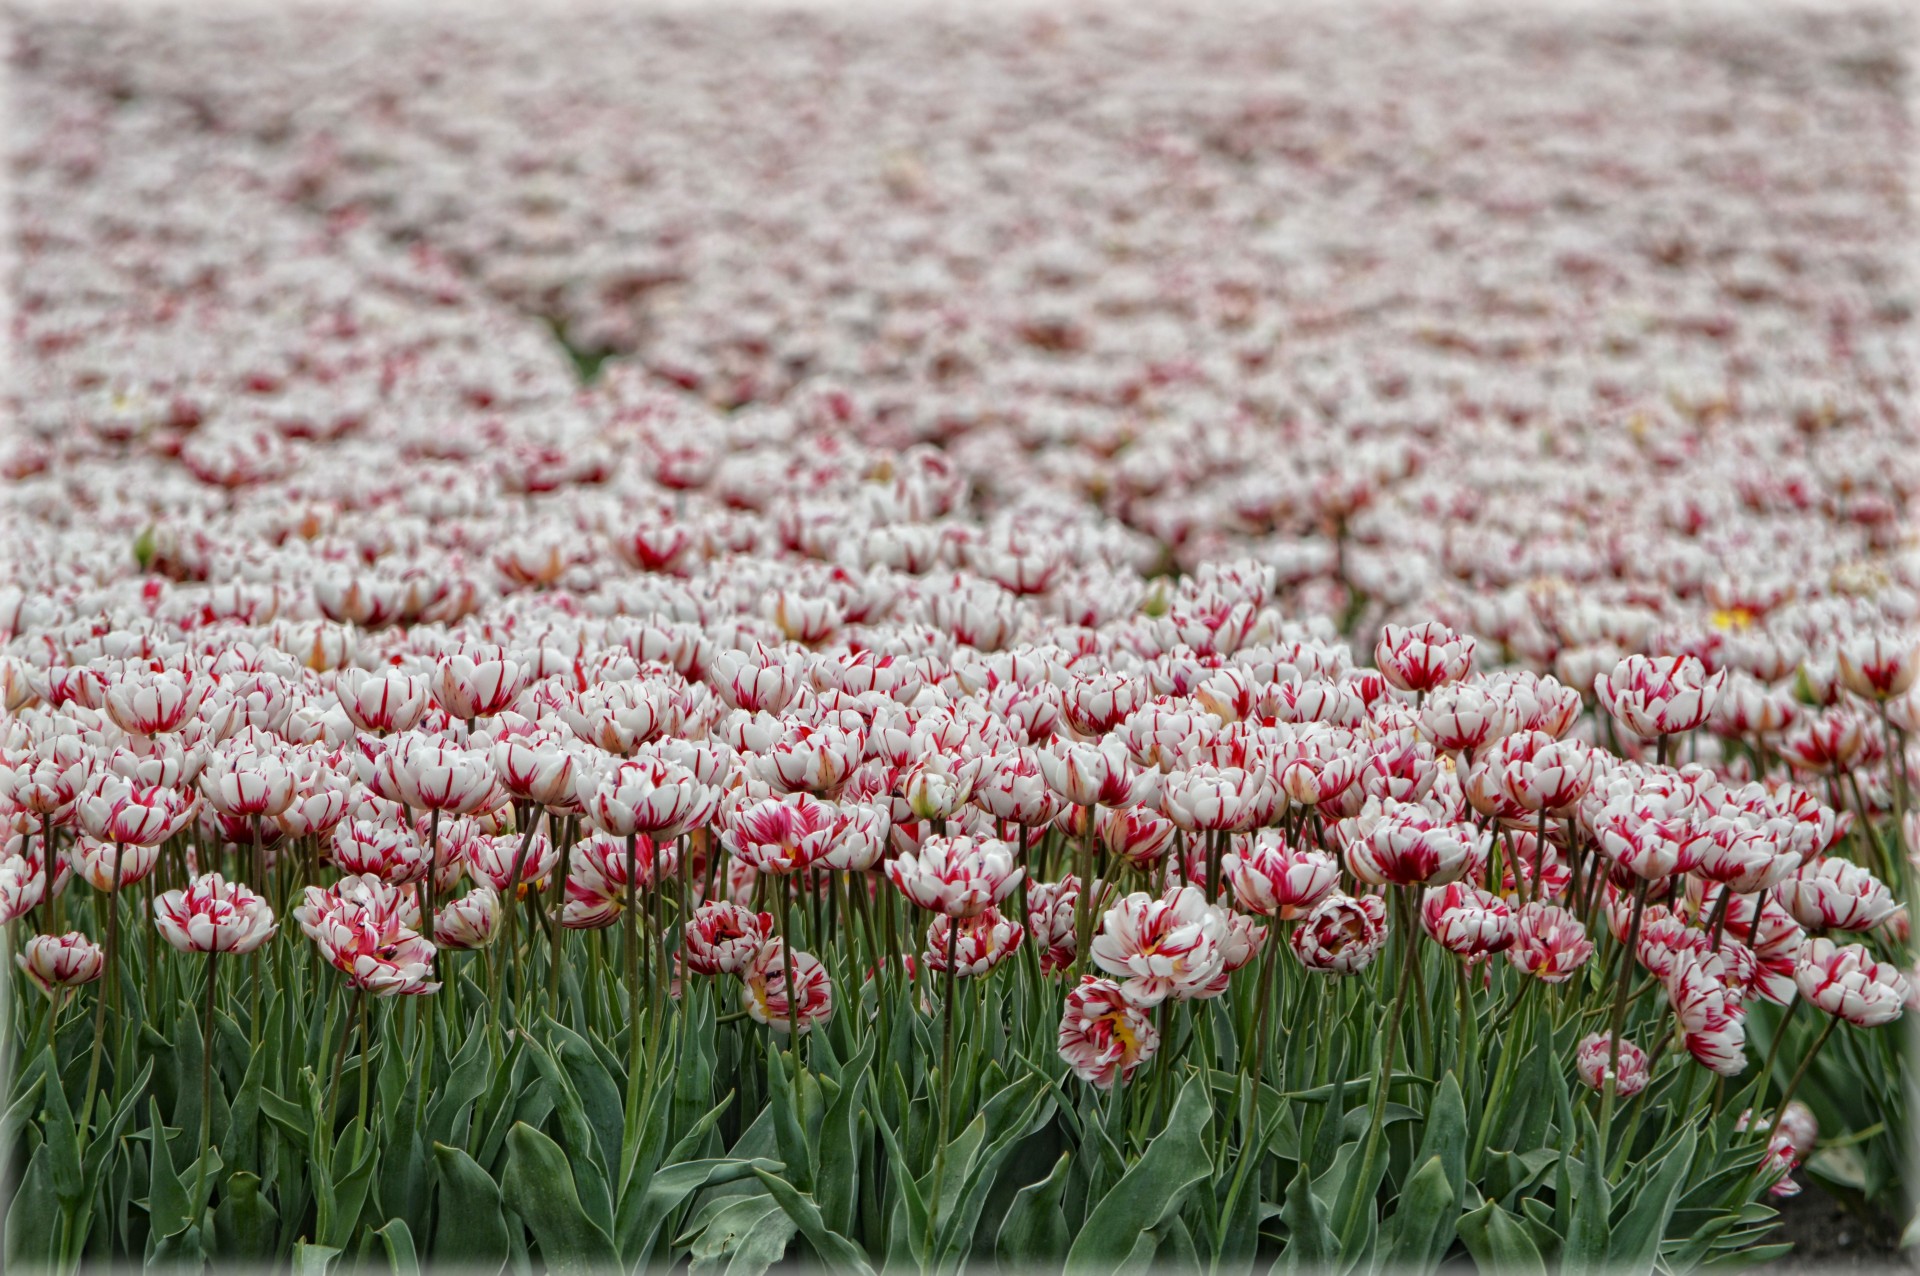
1395 960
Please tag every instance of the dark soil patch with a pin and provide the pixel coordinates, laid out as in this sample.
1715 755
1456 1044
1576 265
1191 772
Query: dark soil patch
1828 1237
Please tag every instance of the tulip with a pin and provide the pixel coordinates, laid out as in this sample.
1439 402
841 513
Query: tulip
1836 894
1849 983
1549 943
959 876
1423 657
1171 946
1466 920
1051 922
1104 1036
213 915
1404 844
470 921
1270 878
1655 697
384 702
724 938
58 962
978 943
1590 1064
766 994
1342 934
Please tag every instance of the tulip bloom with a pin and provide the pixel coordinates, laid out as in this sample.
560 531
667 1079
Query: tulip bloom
1655 696
57 962
384 702
1549 943
1342 935
1104 1036
648 796
389 852
1709 1014
1405 844
1050 920
980 942
1850 984
1168 947
1590 1065
1836 894
117 810
960 876
1271 878
1422 657
471 921
724 938
214 915
766 994
1466 920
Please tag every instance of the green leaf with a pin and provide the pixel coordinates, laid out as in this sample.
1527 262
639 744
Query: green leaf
787 1127
539 1188
1311 1244
1153 1189
1636 1239
63 1145
1422 1225
167 1203
1500 1243
1034 1233
472 1228
839 1253
241 1147
313 1260
1588 1234
836 1180
742 1236
399 1242
33 1219
666 1191
246 1221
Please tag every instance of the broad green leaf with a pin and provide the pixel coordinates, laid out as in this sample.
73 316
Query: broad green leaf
1311 1245
472 1230
539 1188
246 1222
1588 1234
1153 1189
1034 1233
33 1218
1636 1238
399 1244
1422 1225
839 1253
313 1260
1500 1243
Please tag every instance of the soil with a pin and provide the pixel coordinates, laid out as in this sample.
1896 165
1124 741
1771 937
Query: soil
1828 1237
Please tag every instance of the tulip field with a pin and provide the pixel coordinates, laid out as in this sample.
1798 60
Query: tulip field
1029 637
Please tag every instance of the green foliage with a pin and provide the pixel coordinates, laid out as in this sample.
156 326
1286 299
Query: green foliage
523 1143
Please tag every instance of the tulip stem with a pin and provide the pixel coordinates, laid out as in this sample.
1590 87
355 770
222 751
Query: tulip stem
366 1066
100 1003
1383 1081
946 1087
206 1056
1620 999
1773 1052
557 932
1833 1021
630 934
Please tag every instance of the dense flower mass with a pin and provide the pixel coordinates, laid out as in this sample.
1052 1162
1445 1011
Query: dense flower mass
816 618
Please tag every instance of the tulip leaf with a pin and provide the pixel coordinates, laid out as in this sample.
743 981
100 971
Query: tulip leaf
472 1229
1500 1244
1153 1189
1034 1233
835 1250
539 1188
398 1240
